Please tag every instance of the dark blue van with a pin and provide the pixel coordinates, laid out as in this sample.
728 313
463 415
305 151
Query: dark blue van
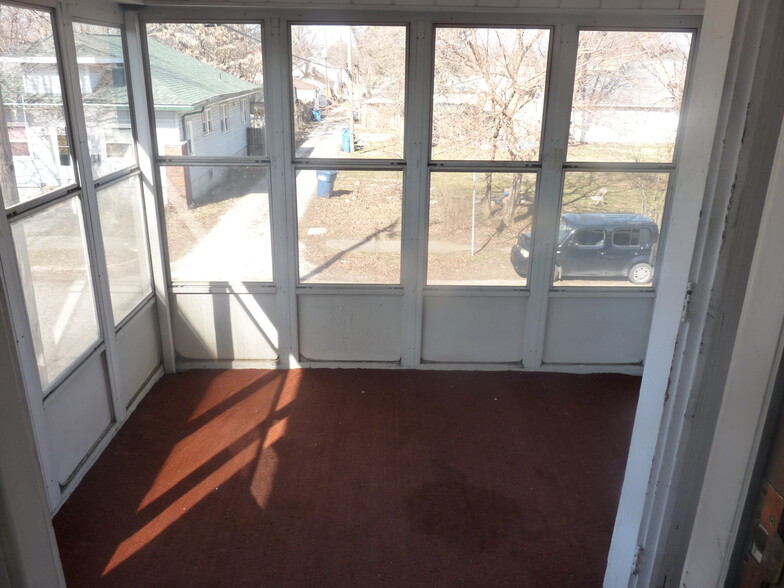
598 245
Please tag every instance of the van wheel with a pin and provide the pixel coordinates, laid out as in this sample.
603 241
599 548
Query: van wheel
641 273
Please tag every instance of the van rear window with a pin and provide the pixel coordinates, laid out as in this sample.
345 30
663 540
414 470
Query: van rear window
630 237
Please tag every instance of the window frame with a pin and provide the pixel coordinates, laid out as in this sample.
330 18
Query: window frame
638 232
575 240
483 166
206 121
244 110
421 28
668 167
161 162
296 164
189 137
53 131
12 142
117 132
224 117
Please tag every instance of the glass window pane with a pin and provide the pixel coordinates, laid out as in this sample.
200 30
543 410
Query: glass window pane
628 91
488 95
349 226
40 155
340 70
125 244
197 71
217 223
609 229
52 259
478 222
102 78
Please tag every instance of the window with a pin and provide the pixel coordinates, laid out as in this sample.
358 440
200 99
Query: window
217 223
224 113
85 82
244 111
349 218
488 159
119 143
630 237
99 54
32 96
488 95
217 211
588 238
361 72
487 106
627 95
195 69
349 230
206 121
125 245
189 138
470 232
64 152
52 257
17 136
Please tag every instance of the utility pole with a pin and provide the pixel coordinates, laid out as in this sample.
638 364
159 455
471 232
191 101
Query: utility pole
350 95
327 89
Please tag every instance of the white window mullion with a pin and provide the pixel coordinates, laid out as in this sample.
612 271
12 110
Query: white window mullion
92 227
283 212
10 281
153 211
417 147
554 143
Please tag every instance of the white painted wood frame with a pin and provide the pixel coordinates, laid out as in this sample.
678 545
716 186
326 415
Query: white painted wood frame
747 396
412 288
101 371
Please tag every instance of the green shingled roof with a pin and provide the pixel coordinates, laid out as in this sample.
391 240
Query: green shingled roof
180 80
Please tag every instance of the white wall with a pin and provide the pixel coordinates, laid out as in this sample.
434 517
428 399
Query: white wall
747 397
27 542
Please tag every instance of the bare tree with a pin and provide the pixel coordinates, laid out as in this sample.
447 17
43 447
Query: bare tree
233 48
489 90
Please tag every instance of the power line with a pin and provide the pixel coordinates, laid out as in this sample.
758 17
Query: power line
316 62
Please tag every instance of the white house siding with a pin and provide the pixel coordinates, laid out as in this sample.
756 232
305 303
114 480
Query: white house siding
202 180
232 142
630 126
205 180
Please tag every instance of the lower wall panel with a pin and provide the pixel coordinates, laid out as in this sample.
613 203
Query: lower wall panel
474 329
77 414
350 327
139 352
225 326
594 330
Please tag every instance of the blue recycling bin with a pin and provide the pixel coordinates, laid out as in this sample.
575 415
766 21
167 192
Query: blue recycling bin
325 183
346 141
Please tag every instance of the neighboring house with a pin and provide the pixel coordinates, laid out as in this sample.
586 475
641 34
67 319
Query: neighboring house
33 112
199 111
307 92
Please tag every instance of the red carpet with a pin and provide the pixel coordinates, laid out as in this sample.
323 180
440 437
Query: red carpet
356 478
